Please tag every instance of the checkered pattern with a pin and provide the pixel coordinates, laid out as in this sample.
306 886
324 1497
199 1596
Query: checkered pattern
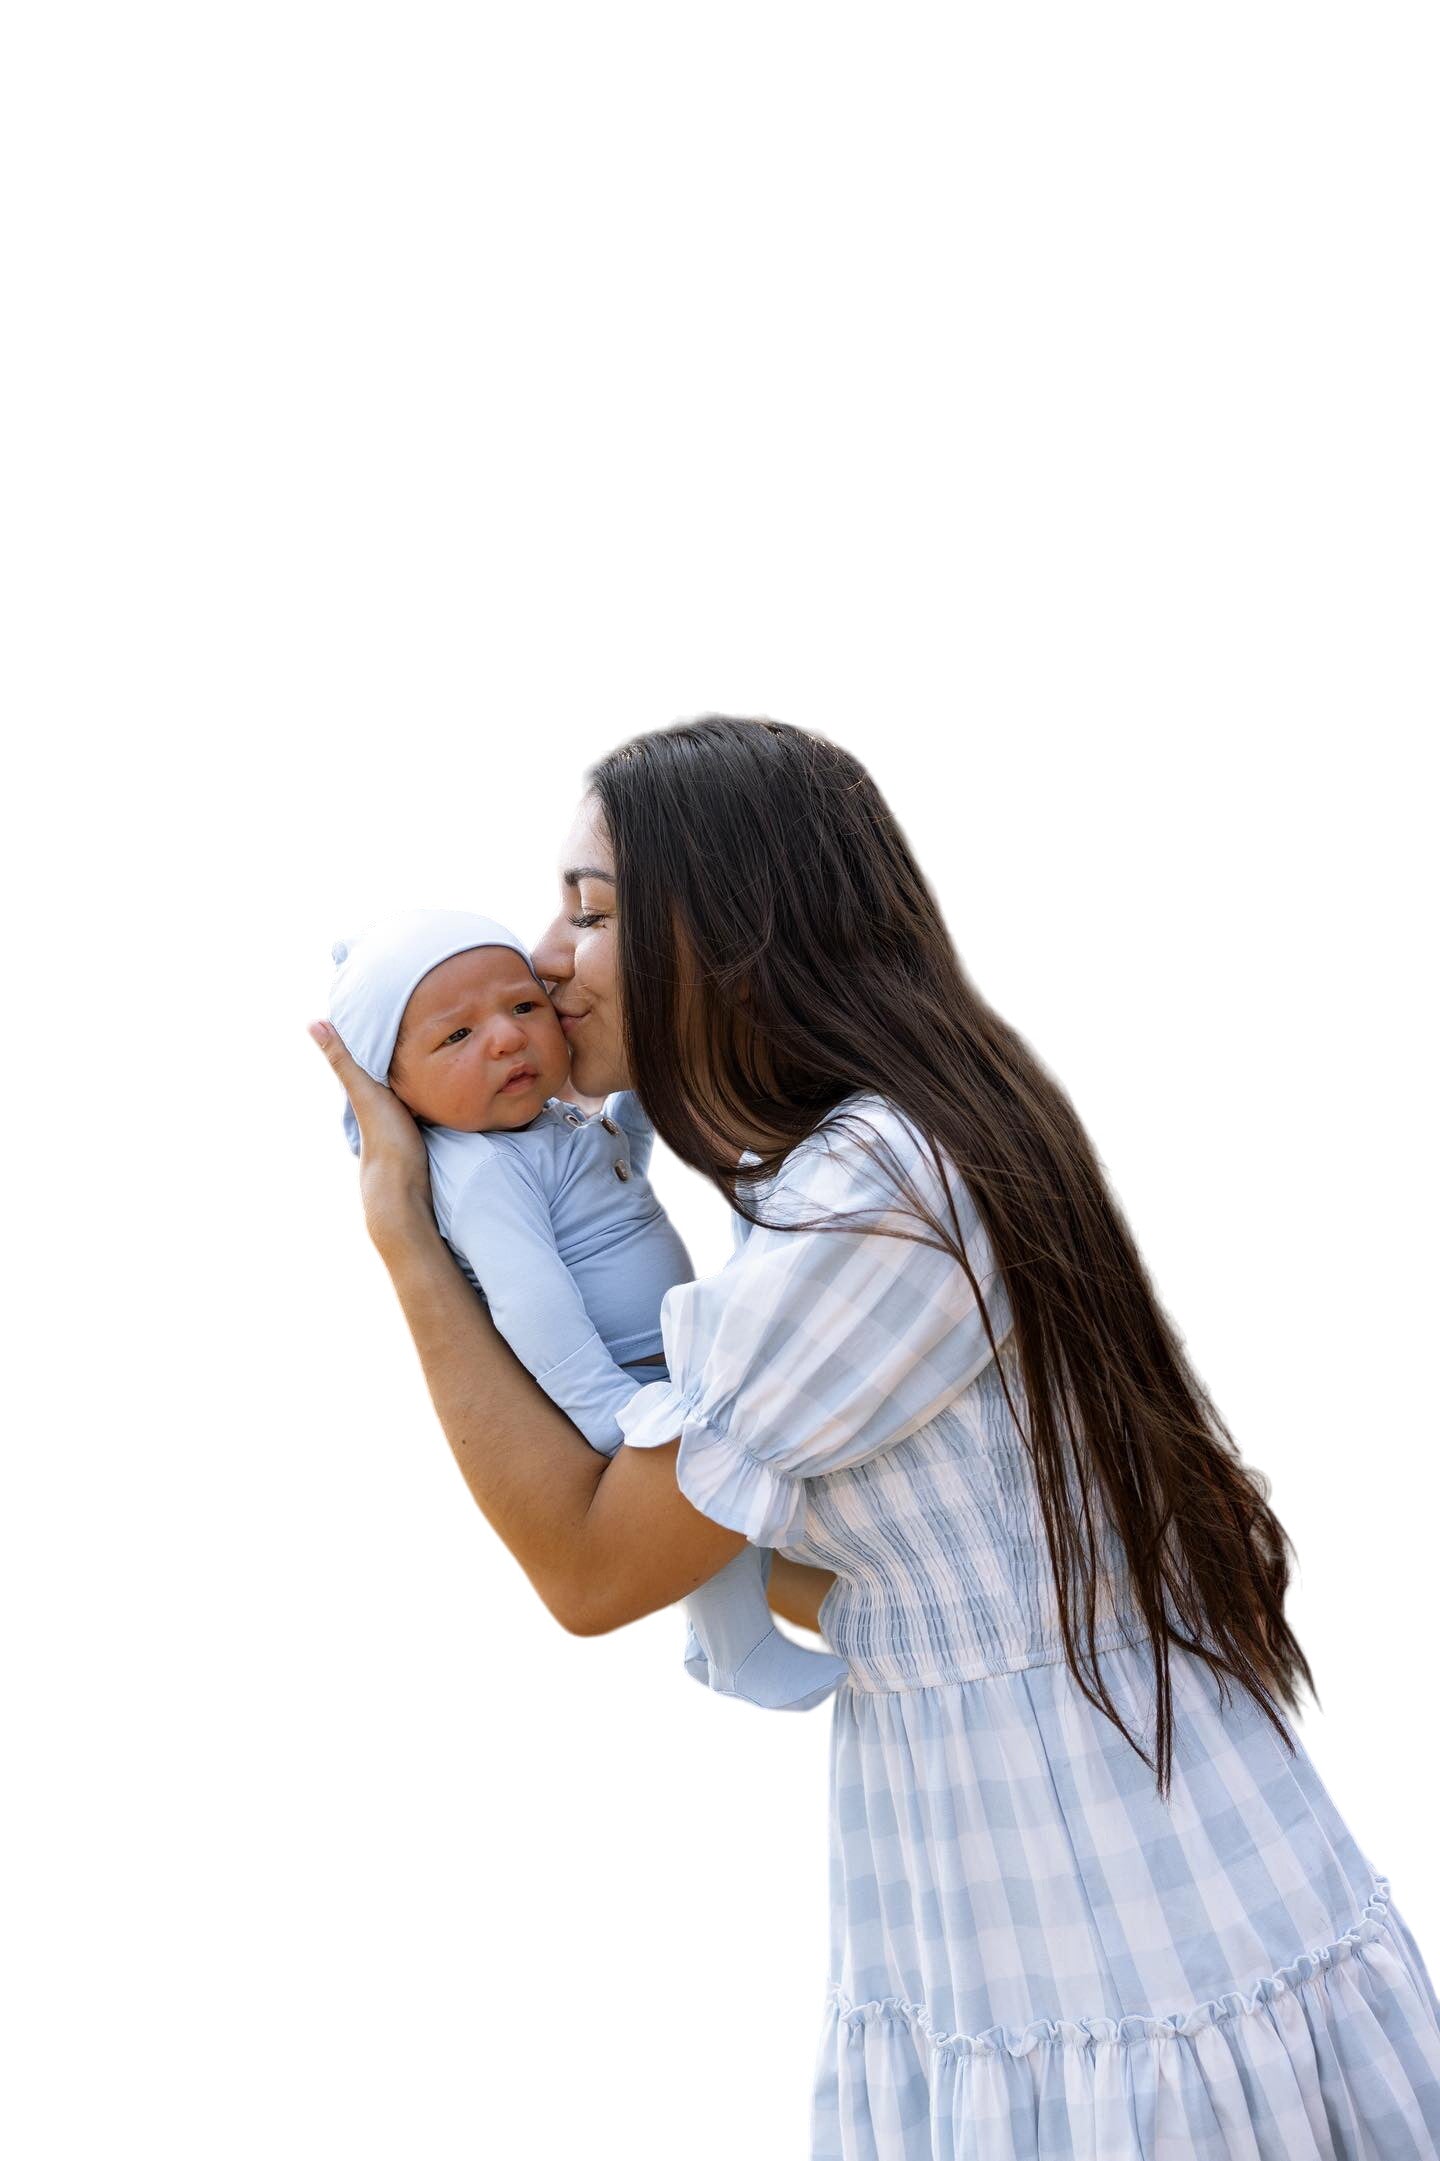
1032 1957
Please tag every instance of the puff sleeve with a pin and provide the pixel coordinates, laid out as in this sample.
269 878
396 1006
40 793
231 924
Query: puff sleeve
813 1351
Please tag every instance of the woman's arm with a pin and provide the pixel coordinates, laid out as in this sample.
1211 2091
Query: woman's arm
795 1591
603 1542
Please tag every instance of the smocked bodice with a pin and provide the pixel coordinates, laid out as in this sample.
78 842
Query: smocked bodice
938 1548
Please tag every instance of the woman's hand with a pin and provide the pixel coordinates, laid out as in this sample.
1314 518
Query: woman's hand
394 1167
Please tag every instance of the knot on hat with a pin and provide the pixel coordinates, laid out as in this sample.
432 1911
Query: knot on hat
339 951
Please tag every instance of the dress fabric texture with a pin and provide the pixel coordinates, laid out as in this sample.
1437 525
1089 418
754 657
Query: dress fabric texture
1033 1957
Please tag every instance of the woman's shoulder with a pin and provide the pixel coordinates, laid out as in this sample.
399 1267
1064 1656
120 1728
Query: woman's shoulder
871 1114
872 1166
867 1150
862 1127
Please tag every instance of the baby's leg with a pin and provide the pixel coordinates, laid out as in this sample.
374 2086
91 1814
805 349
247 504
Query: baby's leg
736 1649
733 1645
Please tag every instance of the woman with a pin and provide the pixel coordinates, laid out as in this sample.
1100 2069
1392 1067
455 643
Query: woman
1089 1896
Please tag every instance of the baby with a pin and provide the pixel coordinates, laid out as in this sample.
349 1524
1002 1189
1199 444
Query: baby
551 1217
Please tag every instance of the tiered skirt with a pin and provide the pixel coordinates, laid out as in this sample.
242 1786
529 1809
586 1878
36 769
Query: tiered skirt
1036 1958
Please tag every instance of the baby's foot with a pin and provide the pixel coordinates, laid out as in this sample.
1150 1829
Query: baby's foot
734 1647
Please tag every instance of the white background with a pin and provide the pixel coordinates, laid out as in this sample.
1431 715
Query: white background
405 405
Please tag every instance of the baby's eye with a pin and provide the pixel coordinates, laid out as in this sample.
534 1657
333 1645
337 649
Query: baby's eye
456 1035
585 919
527 1005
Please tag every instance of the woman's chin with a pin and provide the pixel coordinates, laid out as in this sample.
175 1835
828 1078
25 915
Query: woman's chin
592 1078
592 1072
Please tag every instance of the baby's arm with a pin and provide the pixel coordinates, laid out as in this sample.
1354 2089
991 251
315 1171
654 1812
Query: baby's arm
501 1227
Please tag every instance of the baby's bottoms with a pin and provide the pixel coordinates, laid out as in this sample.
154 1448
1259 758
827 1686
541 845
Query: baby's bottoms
733 1645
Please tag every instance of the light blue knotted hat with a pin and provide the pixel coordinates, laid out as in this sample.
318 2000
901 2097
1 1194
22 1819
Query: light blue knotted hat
377 971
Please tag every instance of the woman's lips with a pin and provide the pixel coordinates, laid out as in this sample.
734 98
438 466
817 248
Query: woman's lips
570 1020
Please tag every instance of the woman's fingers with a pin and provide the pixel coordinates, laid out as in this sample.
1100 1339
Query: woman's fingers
337 1057
394 1166
376 1109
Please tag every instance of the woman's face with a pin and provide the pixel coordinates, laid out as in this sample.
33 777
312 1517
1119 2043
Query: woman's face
577 958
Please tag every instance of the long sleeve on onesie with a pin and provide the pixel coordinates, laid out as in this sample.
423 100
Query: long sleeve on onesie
501 1228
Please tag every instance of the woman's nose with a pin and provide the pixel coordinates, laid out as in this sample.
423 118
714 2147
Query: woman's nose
552 957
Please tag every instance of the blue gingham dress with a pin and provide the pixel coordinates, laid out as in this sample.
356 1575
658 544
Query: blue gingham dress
1032 1956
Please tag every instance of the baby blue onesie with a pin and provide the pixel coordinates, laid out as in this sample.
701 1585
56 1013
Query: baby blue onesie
557 1227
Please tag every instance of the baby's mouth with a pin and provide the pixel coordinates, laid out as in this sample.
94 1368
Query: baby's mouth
523 1077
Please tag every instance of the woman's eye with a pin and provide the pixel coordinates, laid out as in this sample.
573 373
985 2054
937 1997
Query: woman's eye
585 919
457 1035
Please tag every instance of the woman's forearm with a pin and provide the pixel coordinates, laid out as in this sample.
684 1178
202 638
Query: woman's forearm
795 1591
530 1472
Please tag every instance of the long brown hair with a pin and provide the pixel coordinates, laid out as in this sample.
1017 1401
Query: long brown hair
779 951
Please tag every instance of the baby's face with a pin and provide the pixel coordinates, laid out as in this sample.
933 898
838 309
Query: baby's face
480 1047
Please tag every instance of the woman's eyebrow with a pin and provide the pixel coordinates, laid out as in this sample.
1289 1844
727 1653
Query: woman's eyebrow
585 870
